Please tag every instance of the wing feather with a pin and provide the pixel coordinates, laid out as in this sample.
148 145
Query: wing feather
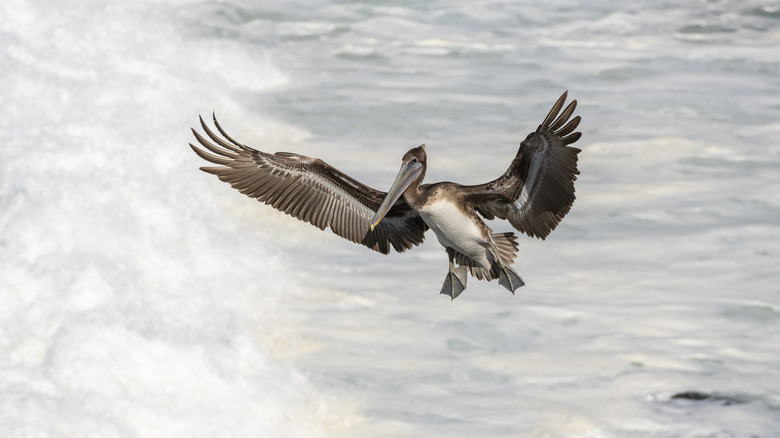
537 190
311 190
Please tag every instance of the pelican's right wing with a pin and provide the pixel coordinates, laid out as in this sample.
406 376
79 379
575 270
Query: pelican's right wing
311 190
537 190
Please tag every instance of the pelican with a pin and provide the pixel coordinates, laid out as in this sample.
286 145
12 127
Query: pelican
534 195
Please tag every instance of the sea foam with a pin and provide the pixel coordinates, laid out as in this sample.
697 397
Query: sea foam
124 312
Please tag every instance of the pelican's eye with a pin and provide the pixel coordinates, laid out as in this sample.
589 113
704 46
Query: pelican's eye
414 160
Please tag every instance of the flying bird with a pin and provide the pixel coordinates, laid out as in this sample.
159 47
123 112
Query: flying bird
534 194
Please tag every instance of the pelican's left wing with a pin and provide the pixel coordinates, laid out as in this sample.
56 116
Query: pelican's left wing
311 190
537 190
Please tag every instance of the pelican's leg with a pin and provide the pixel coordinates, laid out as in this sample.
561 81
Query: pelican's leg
507 276
455 282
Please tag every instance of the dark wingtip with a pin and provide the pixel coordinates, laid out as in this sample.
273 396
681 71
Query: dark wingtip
554 111
571 138
223 161
570 126
226 135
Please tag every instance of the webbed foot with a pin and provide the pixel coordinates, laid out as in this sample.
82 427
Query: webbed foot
455 282
510 279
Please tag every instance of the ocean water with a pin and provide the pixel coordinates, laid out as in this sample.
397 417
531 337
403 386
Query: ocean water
140 297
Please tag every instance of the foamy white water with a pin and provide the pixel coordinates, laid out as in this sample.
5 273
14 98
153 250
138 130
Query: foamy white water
141 297
124 311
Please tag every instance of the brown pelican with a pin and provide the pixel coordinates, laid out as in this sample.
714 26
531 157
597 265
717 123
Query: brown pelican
534 194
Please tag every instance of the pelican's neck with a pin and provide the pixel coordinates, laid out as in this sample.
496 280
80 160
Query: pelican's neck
413 194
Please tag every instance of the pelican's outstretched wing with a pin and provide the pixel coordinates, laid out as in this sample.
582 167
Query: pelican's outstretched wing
312 191
537 190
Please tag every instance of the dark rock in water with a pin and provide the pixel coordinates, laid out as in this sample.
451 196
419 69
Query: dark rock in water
699 396
692 395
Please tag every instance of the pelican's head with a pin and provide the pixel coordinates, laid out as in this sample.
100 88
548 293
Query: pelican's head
412 167
415 155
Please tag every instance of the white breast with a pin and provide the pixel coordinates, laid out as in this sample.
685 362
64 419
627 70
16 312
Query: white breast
456 230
